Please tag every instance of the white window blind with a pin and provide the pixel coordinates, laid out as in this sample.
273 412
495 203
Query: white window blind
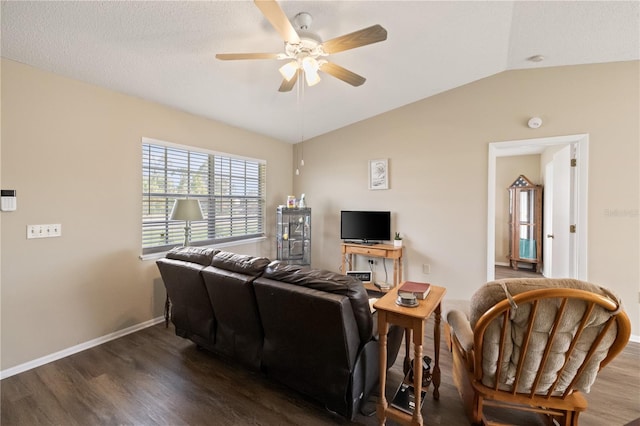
230 191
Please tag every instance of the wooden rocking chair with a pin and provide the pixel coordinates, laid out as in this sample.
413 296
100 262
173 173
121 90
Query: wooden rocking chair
535 345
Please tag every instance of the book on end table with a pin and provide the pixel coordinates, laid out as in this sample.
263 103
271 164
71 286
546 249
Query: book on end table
405 399
420 290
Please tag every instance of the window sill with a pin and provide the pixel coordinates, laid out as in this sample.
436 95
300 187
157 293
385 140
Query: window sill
161 254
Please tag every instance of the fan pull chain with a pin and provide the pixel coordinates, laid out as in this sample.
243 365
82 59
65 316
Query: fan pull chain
300 103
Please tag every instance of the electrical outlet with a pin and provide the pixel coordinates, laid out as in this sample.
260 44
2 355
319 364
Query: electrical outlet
426 268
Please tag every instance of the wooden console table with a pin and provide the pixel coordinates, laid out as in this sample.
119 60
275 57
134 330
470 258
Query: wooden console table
386 251
413 320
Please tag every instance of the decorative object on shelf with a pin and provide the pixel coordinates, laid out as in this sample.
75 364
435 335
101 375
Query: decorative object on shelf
291 201
379 174
293 235
397 240
525 223
302 202
187 209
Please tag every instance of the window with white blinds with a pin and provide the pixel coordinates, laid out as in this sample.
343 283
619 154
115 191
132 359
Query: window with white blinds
230 191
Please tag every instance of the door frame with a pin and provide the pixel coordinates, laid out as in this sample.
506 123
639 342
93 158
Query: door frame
537 146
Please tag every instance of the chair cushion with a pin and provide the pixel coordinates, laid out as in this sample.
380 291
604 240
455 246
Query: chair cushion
494 292
491 293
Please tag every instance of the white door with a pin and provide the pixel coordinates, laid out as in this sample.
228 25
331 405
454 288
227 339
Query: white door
557 236
547 222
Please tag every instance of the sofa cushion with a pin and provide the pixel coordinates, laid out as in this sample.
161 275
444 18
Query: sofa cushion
191 310
330 282
199 255
240 263
239 332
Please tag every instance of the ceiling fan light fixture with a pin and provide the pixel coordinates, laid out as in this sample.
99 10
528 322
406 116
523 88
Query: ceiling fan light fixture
310 66
304 49
289 69
312 78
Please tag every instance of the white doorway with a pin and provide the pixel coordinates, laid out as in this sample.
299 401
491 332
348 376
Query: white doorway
547 220
577 246
558 215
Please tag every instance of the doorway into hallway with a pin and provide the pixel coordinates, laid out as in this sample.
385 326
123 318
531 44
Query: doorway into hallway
576 253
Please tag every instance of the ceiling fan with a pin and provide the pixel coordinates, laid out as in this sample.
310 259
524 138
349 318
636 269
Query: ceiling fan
305 51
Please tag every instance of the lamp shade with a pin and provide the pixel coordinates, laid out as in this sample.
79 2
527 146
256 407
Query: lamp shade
186 209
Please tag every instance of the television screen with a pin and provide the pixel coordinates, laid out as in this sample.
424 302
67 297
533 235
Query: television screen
365 226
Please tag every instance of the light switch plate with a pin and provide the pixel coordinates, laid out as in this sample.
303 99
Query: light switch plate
44 231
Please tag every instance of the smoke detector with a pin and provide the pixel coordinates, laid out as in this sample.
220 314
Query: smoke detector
534 122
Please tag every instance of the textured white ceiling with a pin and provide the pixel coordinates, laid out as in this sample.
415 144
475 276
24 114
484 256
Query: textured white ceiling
164 51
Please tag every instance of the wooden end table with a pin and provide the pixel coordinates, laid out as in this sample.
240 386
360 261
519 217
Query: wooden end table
413 320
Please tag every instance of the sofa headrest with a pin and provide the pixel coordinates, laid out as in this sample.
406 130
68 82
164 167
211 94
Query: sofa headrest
199 255
330 282
240 263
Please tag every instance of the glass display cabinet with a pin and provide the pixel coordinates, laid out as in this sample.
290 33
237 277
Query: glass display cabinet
525 224
293 235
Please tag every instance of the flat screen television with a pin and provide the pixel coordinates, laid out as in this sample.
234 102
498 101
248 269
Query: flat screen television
365 226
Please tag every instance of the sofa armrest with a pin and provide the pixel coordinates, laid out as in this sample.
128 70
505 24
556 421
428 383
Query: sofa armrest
461 328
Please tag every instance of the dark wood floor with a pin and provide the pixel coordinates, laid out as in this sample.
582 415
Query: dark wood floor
153 377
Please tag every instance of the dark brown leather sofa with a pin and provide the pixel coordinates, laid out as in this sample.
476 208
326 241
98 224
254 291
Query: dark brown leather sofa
311 330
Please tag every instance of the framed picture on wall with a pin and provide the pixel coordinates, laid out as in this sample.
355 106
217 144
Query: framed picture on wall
379 174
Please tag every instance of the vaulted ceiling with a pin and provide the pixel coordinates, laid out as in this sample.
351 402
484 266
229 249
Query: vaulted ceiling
165 51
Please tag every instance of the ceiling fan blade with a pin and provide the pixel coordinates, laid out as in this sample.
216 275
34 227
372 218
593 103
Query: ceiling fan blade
286 86
363 37
235 56
275 15
343 74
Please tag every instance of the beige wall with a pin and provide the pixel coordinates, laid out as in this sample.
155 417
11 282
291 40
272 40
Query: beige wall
438 150
73 153
507 171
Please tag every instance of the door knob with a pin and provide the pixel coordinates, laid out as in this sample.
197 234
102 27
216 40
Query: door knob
549 235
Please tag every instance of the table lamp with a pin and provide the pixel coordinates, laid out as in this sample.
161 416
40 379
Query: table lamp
187 210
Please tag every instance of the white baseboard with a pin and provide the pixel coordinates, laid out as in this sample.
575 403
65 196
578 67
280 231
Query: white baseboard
634 338
502 264
77 348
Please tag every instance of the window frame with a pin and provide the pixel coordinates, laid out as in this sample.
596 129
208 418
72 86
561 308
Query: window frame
251 200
